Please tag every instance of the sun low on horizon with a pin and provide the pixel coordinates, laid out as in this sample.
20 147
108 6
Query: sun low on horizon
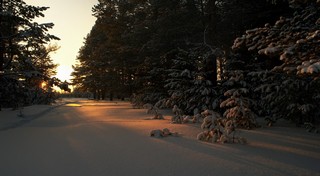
72 21
64 73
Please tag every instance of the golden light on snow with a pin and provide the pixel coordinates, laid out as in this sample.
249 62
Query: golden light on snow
73 105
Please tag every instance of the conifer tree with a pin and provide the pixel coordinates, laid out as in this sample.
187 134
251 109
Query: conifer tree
288 54
23 56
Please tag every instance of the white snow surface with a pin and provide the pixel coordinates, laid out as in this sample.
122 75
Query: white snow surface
89 138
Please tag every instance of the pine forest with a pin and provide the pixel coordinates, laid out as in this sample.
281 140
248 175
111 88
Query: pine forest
241 59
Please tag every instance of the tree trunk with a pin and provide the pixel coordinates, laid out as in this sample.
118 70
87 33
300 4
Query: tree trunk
211 69
103 94
2 48
1 45
111 96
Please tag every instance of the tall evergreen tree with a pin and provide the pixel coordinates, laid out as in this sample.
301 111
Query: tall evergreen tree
22 46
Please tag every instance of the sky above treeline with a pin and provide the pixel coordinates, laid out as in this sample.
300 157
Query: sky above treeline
73 20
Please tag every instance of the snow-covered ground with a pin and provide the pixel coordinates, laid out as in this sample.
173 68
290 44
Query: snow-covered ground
86 138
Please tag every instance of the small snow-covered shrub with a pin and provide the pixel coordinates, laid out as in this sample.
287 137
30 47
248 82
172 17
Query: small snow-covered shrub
153 110
218 129
162 133
178 115
149 108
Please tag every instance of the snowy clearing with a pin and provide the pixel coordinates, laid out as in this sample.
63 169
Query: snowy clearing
84 137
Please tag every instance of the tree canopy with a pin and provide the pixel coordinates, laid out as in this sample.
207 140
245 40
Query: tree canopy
25 62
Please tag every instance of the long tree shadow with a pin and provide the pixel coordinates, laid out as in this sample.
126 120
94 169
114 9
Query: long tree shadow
28 118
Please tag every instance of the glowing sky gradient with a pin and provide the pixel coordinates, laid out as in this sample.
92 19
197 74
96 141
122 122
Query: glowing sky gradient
73 21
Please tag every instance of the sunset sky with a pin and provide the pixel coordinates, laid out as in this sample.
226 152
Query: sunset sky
73 21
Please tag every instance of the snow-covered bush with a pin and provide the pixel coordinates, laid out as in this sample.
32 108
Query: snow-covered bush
177 115
218 129
150 109
162 133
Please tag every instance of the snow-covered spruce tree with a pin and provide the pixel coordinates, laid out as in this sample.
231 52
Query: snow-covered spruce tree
238 104
284 96
289 81
180 77
190 85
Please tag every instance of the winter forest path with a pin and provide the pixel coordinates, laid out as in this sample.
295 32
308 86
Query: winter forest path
110 138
